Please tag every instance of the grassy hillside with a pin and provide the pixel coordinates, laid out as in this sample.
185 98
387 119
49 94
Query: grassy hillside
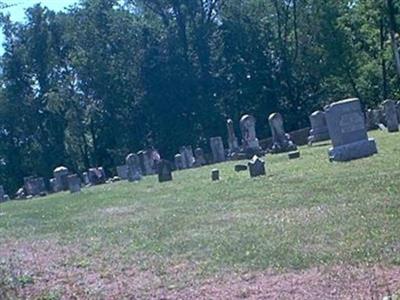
304 214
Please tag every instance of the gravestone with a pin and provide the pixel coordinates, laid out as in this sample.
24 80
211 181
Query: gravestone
214 174
34 186
134 170
347 130
390 110
398 110
2 194
140 154
187 156
74 183
294 154
149 162
240 168
60 175
179 164
378 116
122 172
164 170
280 140
96 176
86 180
217 149
199 157
319 130
256 167
233 143
250 142
370 121
53 185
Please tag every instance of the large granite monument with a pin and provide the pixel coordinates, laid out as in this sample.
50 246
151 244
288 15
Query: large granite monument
347 130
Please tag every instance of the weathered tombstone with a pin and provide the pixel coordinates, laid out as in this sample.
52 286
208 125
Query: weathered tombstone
164 170
86 180
34 186
294 154
122 172
217 149
179 163
149 163
140 154
214 174
280 140
232 139
240 168
256 167
74 183
378 116
370 120
53 185
199 157
2 194
187 156
392 123
248 130
134 171
96 176
319 130
60 175
347 130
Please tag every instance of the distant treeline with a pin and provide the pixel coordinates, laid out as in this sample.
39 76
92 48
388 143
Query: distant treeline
85 87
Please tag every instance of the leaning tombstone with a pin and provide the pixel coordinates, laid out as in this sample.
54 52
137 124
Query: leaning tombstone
122 172
214 174
134 171
256 167
74 183
199 157
250 142
179 164
347 130
217 149
233 143
280 139
164 170
34 186
319 130
96 176
392 123
60 175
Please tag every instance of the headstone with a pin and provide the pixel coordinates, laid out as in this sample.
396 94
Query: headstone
199 157
134 170
74 183
319 130
96 176
280 140
140 154
248 130
149 163
34 186
60 175
240 168
256 167
214 174
232 139
6 198
85 176
347 130
294 154
390 109
164 170
179 164
122 172
378 116
217 149
2 194
53 185
187 156
371 122
398 110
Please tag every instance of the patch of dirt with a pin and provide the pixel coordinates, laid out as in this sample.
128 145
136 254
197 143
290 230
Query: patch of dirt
67 272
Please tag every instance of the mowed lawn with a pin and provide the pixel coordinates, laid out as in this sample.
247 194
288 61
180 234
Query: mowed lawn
150 240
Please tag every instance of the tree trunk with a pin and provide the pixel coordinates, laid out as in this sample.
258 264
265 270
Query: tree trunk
393 31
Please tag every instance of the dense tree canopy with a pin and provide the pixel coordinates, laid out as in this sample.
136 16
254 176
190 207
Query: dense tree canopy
83 87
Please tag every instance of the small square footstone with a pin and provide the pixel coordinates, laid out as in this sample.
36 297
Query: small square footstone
214 174
294 154
240 168
256 167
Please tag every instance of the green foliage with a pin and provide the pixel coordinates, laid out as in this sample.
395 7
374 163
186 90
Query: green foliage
83 87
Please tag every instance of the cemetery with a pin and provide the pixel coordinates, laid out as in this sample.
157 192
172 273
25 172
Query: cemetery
246 210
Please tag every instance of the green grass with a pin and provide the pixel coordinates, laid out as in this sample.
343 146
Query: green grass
304 213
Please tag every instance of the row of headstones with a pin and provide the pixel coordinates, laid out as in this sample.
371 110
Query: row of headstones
387 115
